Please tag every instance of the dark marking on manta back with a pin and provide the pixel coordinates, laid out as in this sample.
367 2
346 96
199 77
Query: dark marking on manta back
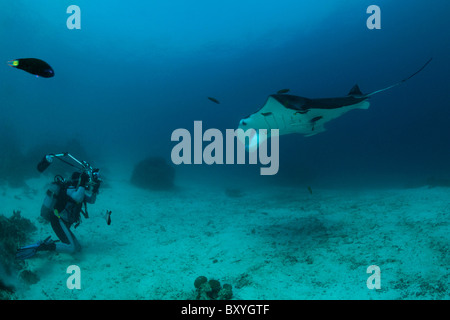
315 119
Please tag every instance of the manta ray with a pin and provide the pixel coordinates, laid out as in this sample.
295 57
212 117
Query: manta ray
294 114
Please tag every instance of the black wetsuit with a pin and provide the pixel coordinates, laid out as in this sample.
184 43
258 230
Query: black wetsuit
71 214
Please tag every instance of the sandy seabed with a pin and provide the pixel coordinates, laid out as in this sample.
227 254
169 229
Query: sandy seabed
269 243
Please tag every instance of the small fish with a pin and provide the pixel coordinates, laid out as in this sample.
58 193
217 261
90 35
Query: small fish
309 189
283 91
34 66
214 100
108 217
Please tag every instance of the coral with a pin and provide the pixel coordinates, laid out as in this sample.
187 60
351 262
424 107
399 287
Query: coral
153 173
6 291
226 293
212 289
199 281
204 292
215 288
13 232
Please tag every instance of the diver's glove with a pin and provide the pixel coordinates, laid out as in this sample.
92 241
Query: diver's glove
84 179
96 187
48 245
96 180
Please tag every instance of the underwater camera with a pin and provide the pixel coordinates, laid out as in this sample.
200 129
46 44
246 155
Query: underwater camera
45 163
81 165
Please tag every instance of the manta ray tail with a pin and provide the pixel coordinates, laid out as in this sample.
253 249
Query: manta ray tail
401 81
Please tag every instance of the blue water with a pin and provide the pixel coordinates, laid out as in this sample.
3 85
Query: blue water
134 73
138 70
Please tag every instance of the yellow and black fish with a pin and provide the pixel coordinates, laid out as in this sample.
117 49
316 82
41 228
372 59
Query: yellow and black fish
34 66
283 91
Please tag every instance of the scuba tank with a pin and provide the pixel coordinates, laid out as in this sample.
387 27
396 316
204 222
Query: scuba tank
53 198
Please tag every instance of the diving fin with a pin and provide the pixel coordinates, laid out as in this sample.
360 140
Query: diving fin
27 252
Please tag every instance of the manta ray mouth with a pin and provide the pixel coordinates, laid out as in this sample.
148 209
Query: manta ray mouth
251 139
253 142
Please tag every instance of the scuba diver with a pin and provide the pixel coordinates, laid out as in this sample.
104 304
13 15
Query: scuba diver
63 206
